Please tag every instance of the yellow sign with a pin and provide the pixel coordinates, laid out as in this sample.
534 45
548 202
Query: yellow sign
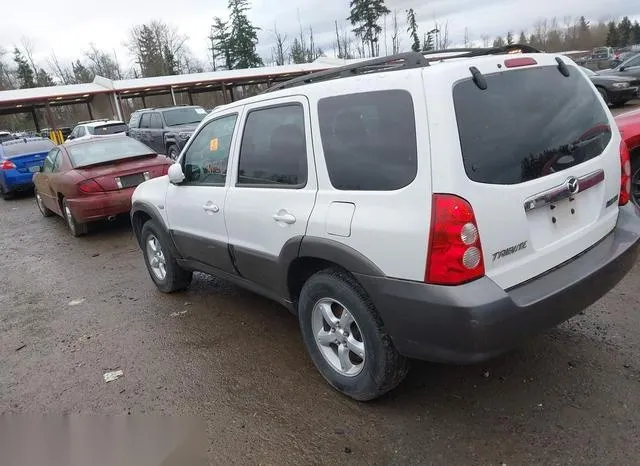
213 145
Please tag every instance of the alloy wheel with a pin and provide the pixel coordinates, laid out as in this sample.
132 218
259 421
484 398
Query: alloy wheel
338 337
156 258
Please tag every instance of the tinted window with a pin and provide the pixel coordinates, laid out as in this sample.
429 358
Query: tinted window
184 116
156 121
105 130
106 150
633 62
145 120
135 120
528 124
50 160
369 140
274 150
206 158
26 146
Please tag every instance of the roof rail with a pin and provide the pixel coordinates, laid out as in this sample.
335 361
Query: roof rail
92 121
399 61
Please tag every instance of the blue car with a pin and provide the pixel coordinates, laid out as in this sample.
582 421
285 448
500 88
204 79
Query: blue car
19 160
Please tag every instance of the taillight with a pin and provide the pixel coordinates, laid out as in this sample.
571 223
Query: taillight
455 253
625 174
90 187
7 165
165 169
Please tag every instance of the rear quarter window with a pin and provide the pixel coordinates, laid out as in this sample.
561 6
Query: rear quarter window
369 140
528 124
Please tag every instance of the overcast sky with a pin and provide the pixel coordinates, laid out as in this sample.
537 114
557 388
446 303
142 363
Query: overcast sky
68 26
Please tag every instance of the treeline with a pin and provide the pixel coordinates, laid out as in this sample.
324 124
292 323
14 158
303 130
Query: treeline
573 34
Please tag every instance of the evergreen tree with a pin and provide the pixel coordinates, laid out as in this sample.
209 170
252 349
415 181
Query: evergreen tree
584 33
170 61
43 79
365 15
413 30
510 38
427 42
498 42
24 72
523 38
625 32
298 54
81 73
221 41
636 33
243 36
613 39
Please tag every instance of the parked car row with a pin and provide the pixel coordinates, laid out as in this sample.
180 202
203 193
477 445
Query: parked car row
384 204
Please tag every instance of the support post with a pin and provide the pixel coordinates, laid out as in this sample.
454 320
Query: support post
34 115
173 97
118 108
90 110
190 97
50 120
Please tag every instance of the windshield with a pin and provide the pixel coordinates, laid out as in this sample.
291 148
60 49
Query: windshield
184 116
528 124
104 130
26 146
106 150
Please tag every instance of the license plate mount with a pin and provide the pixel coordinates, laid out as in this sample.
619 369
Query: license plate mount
130 181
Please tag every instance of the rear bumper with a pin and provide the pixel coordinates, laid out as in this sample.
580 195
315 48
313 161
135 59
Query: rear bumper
13 180
98 206
477 321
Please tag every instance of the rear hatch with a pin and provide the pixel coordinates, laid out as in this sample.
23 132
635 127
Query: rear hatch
536 154
28 163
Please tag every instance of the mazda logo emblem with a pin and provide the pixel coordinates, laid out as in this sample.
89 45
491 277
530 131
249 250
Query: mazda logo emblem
573 185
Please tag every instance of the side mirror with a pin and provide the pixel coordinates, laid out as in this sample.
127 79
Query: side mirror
70 137
176 175
622 68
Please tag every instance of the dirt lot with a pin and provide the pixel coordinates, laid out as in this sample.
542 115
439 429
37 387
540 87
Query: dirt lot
236 360
628 107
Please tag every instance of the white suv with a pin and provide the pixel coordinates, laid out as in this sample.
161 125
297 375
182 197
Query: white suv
97 128
403 208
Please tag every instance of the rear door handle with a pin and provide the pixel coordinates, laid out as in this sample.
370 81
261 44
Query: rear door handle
284 217
211 208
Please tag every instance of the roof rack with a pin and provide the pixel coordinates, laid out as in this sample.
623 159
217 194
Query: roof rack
400 61
92 121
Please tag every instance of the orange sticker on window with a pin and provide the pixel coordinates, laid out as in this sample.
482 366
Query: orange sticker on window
213 145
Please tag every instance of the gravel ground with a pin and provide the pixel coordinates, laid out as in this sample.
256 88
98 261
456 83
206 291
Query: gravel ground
237 361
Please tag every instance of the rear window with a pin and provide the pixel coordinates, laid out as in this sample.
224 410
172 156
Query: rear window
105 130
135 120
97 151
20 147
528 124
184 116
369 140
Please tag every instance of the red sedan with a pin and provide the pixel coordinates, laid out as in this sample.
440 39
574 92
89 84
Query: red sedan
89 180
629 125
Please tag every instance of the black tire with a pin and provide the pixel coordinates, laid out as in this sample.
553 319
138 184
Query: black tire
176 278
635 177
6 195
604 95
173 152
383 367
76 228
44 210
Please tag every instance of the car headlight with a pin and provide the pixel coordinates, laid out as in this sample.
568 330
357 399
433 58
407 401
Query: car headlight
620 85
185 135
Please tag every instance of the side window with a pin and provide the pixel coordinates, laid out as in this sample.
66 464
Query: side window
145 120
135 120
156 121
206 159
50 160
274 149
74 133
369 140
633 62
81 131
58 161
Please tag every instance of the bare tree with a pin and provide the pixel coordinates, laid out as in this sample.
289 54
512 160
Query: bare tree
280 51
63 72
27 47
466 37
485 40
395 36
